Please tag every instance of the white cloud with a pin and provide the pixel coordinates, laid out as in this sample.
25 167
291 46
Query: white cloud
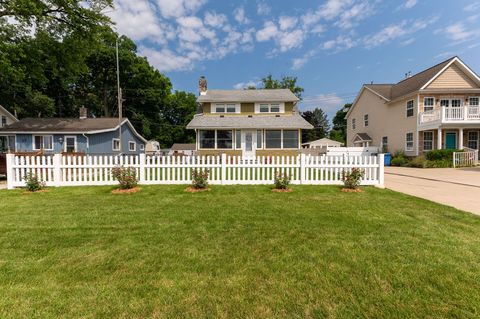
473 7
459 32
166 60
178 8
330 103
351 16
239 15
268 32
263 8
298 63
215 20
287 22
410 4
340 43
407 42
244 85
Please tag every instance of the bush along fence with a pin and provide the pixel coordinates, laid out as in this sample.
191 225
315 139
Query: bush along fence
68 170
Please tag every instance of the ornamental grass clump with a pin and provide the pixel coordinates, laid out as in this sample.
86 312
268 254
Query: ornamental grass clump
33 183
281 181
352 179
126 177
200 178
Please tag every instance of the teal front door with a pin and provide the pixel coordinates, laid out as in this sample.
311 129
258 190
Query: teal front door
450 141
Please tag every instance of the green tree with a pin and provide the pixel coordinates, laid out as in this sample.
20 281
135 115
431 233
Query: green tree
321 126
339 130
286 82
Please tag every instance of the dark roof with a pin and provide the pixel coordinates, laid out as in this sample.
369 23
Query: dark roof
259 95
73 125
408 85
183 147
363 137
280 121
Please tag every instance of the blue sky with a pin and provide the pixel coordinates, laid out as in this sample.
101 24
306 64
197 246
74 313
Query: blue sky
332 46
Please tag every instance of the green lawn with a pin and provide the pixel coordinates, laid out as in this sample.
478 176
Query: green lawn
235 252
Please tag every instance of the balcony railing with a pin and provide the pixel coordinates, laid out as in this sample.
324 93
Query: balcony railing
466 113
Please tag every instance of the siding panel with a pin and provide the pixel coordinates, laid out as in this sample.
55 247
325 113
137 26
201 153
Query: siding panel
452 78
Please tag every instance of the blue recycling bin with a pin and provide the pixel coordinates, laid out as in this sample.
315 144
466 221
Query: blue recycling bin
387 159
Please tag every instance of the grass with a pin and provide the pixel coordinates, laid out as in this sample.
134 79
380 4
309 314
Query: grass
235 252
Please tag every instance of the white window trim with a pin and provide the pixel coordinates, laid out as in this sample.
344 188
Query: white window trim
474 97
432 140
262 139
235 140
65 142
280 104
43 143
213 108
113 144
130 143
142 147
434 102
407 108
409 149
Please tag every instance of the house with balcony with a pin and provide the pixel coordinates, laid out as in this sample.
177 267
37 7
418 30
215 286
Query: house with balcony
247 122
437 108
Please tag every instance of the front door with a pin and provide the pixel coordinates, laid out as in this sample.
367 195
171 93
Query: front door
450 140
248 143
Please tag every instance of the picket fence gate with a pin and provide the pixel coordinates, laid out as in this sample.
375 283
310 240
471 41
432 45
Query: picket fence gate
68 170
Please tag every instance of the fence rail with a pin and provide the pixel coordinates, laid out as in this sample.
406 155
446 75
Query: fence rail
465 159
65 170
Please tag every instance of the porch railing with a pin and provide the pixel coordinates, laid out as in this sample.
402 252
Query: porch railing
450 114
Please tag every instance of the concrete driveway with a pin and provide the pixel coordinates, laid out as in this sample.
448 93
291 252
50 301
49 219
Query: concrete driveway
459 188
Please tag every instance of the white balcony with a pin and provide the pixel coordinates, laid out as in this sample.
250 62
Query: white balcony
456 114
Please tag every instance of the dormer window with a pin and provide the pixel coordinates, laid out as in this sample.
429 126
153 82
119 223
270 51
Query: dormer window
269 107
225 108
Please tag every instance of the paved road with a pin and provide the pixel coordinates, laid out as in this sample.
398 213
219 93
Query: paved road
459 188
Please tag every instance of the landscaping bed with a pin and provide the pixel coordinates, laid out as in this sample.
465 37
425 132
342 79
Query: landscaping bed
235 252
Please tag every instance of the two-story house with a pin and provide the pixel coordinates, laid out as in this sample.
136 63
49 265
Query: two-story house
437 108
247 122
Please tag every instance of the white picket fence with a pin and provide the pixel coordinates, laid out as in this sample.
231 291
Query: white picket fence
65 170
469 157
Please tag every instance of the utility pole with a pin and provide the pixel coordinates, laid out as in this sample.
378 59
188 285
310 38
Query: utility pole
119 97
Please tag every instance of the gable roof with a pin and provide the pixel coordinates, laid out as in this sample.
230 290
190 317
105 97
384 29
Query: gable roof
323 141
362 137
183 147
295 121
259 95
68 125
4 110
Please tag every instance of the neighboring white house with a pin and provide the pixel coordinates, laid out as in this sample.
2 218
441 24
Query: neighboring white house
322 143
182 149
152 148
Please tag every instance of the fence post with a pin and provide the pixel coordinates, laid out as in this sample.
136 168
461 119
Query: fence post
10 170
142 162
57 170
454 159
302 168
381 170
223 169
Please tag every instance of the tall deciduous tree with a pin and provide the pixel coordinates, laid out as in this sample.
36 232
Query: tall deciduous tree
339 130
286 82
321 126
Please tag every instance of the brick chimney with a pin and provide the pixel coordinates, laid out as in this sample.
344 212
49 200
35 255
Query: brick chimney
83 112
202 85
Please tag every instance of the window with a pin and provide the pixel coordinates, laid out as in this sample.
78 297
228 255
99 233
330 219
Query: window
427 141
269 108
473 140
273 139
116 144
409 142
474 101
354 124
4 121
290 139
70 144
456 103
224 139
43 142
7 143
365 120
428 103
385 144
238 139
410 108
142 147
227 108
132 146
207 139
259 138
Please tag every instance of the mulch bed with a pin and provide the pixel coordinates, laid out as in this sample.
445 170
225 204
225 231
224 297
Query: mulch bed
282 190
39 191
197 190
126 191
349 190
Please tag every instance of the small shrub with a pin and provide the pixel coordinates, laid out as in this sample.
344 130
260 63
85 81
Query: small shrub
438 163
353 178
200 178
33 183
282 180
438 155
126 176
399 159
417 162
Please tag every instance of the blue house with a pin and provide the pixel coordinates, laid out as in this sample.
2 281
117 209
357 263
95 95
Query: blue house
74 135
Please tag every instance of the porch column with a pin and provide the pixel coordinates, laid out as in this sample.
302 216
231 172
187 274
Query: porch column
460 138
439 139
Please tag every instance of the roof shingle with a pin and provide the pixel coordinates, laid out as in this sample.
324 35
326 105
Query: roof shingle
249 122
259 95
